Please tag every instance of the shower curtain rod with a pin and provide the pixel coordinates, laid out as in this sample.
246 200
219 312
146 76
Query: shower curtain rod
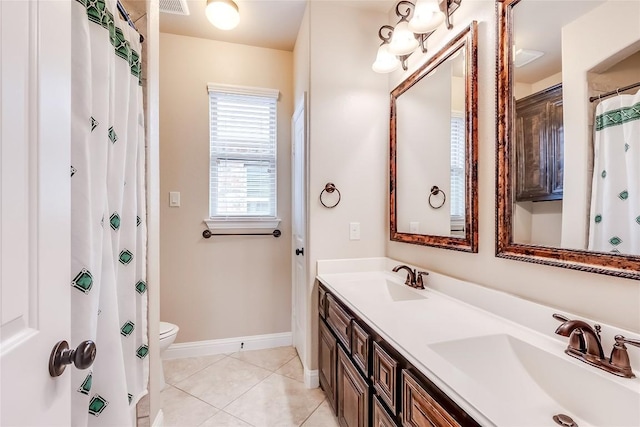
614 92
126 16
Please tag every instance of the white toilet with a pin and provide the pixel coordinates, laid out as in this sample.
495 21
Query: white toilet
168 333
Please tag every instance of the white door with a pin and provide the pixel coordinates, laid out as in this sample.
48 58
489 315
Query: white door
299 202
35 75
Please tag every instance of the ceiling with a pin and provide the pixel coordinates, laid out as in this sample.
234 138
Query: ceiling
537 26
270 24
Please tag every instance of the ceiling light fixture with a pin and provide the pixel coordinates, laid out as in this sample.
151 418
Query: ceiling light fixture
223 14
417 22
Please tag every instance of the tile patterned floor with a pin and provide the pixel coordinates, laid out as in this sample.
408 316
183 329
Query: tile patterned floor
261 388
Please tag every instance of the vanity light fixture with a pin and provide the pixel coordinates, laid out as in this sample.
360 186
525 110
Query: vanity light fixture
417 22
223 14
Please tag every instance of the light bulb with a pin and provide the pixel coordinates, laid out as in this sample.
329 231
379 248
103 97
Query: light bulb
427 16
386 62
403 42
223 14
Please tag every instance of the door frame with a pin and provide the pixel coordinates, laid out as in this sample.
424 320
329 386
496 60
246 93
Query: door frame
301 343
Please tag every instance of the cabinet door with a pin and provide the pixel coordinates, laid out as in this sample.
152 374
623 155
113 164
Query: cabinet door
381 417
419 409
556 146
322 302
353 394
327 359
360 347
385 374
531 151
339 321
539 150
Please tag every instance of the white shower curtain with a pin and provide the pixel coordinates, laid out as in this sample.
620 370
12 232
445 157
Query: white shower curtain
108 234
615 191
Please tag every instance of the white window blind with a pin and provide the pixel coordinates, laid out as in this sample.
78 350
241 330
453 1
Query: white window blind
243 137
457 172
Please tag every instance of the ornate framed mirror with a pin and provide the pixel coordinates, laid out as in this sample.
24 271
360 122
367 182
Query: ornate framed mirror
555 58
433 150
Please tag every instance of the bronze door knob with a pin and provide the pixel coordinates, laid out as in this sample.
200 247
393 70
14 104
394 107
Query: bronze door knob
82 357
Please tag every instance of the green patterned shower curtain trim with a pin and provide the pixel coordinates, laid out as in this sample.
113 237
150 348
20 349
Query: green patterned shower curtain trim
617 117
98 13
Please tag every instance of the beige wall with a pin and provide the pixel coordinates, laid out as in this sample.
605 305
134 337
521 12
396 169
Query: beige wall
611 300
423 153
230 286
348 138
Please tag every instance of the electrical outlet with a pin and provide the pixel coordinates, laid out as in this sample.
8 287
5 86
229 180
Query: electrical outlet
354 231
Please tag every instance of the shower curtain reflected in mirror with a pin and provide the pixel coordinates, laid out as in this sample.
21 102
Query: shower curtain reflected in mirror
615 197
108 228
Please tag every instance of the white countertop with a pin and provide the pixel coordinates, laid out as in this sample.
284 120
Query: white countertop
459 326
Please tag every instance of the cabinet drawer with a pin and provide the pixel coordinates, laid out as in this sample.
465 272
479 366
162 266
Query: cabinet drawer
327 359
385 377
360 347
381 417
322 302
419 409
353 394
339 321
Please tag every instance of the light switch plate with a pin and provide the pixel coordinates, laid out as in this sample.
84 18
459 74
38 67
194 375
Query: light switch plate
174 198
354 231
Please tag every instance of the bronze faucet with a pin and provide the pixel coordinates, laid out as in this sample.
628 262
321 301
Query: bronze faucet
585 345
414 279
582 333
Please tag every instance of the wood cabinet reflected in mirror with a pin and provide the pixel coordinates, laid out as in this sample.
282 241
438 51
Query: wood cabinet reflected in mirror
554 58
433 150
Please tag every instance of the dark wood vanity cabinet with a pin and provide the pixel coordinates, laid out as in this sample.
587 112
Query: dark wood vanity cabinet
352 392
385 377
369 383
360 348
322 303
381 417
539 150
327 362
419 409
339 321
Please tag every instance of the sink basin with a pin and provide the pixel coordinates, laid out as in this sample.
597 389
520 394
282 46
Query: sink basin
545 384
382 289
402 292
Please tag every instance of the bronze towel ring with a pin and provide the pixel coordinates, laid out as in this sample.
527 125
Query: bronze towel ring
434 192
330 188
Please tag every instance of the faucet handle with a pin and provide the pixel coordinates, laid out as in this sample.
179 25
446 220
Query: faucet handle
420 279
622 340
619 356
560 317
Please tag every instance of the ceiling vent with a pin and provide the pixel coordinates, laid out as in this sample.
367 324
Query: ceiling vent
177 7
524 56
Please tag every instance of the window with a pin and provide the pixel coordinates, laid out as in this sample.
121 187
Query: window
243 138
457 172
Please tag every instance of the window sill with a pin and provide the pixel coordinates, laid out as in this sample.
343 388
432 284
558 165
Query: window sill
242 223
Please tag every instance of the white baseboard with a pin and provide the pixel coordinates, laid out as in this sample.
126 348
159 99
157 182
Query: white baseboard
227 345
159 421
311 379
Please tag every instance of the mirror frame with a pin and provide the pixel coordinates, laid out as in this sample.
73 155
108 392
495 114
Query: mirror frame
468 38
627 266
